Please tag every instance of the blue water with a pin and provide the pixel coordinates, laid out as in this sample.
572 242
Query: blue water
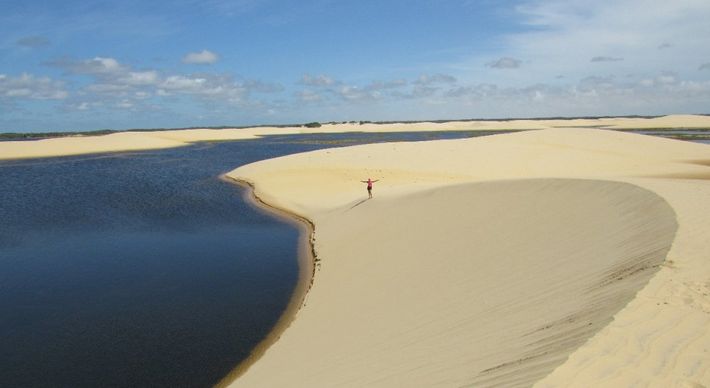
143 269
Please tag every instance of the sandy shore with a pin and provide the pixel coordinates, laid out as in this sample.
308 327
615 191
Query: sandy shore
135 141
560 257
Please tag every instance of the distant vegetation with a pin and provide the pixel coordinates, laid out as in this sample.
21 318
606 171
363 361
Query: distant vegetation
314 124
46 135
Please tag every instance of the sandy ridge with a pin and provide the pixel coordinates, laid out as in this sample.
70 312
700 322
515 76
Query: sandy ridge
336 348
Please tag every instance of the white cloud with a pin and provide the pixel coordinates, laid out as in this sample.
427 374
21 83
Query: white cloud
354 93
605 59
478 91
652 57
28 86
319 80
116 85
505 63
204 57
98 66
425 79
384 85
211 87
182 84
263 87
125 104
140 78
308 96
565 32
108 88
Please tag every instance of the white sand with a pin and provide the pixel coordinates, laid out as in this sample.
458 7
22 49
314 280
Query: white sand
504 260
133 141
490 261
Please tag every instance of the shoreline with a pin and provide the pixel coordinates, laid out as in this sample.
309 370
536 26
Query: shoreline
307 266
675 171
147 140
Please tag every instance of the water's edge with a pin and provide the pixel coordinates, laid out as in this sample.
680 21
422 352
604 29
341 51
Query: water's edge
306 273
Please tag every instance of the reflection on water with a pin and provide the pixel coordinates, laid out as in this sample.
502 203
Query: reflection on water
142 269
696 135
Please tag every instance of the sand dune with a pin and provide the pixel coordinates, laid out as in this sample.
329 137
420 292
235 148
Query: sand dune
133 141
566 256
500 261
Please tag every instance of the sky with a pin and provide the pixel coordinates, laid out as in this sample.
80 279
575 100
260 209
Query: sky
87 65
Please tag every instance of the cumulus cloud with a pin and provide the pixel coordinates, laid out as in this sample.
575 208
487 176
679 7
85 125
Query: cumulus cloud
108 88
355 93
204 57
591 95
117 85
664 45
111 78
27 86
505 63
33 41
384 85
81 106
329 90
595 85
183 84
422 91
98 66
478 91
704 66
308 96
212 87
425 79
319 80
663 79
139 78
263 87
605 59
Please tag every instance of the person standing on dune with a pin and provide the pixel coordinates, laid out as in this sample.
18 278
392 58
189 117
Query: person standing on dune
369 186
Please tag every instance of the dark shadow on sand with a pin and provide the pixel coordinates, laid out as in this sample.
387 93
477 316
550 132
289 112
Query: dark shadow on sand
359 203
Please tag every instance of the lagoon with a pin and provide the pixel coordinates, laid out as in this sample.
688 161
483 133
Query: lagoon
143 269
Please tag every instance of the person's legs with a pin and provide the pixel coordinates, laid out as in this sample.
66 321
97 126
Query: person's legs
369 192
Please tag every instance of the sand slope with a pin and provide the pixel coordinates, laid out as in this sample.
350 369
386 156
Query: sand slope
490 261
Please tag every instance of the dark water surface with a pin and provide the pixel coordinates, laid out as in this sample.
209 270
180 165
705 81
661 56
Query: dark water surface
143 269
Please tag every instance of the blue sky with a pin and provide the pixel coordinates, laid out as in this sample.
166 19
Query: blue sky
85 65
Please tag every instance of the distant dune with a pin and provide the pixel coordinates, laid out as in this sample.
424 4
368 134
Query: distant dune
143 140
